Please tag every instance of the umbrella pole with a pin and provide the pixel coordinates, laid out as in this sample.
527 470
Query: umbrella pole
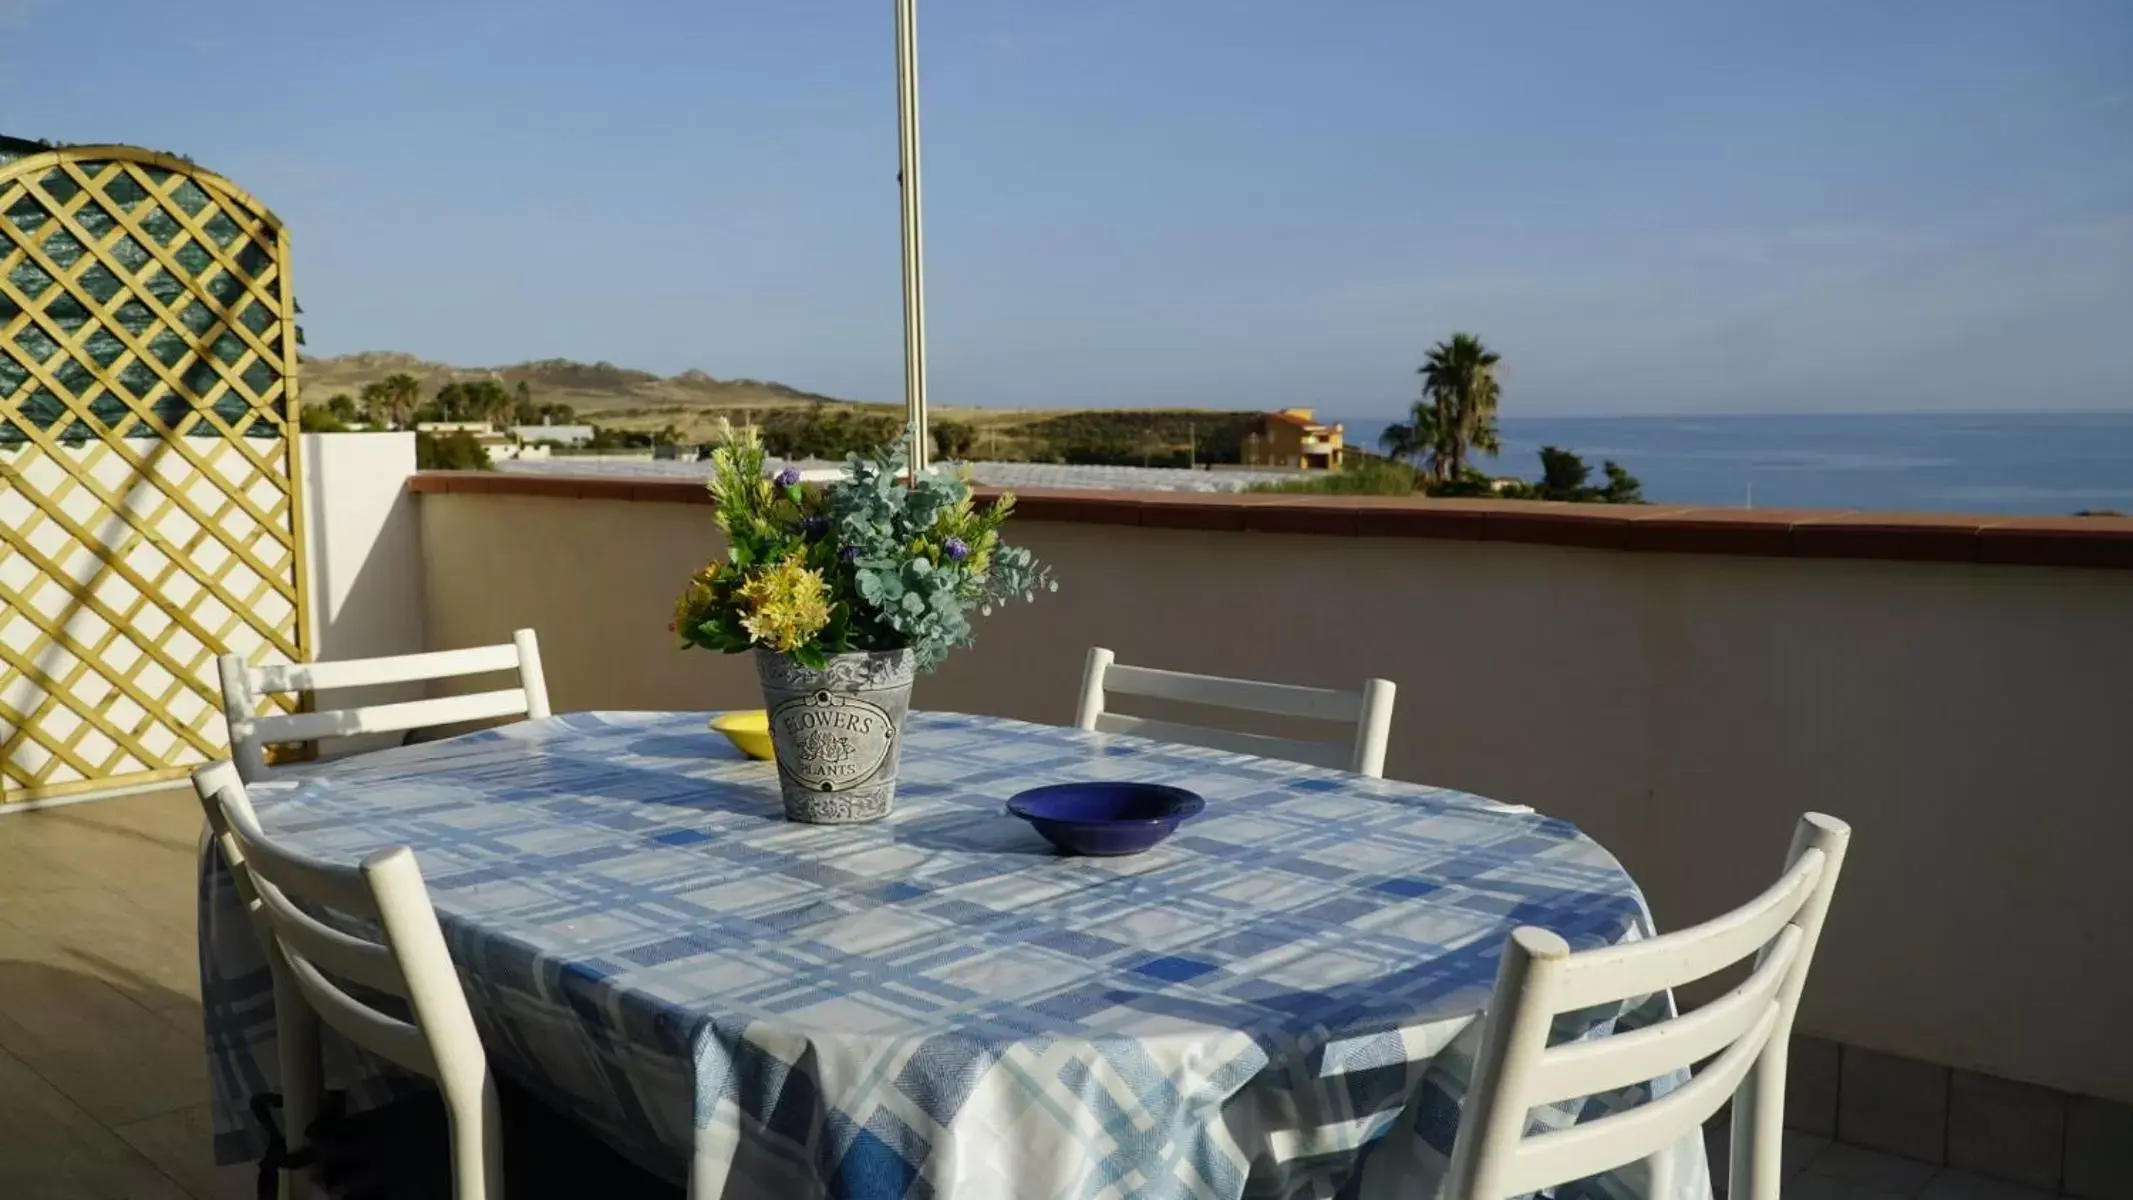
914 241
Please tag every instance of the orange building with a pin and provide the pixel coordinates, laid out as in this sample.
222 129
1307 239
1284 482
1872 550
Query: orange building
1293 438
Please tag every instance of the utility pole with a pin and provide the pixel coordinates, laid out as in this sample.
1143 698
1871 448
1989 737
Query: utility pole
913 231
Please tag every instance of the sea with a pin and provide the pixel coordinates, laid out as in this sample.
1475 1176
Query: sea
2037 464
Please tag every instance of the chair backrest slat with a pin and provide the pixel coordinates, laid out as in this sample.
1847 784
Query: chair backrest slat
1321 754
1590 1147
388 1037
1639 968
402 668
1746 1030
1369 711
390 718
1603 1064
243 687
335 953
316 882
1250 695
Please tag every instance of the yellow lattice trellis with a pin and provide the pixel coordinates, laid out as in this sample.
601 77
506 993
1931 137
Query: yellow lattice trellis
150 513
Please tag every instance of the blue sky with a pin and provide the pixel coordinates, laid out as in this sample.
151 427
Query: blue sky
1646 207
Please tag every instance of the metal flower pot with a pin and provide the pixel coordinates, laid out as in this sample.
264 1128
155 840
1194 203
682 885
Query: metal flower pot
837 730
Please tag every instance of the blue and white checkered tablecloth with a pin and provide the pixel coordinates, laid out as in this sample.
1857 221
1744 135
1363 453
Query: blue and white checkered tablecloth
1280 1001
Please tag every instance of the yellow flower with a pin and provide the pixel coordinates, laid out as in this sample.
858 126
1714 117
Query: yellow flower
788 604
693 607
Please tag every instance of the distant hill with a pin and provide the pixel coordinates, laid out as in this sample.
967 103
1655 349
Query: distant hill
601 392
693 401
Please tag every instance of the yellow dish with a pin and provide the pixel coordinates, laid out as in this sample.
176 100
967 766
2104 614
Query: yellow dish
748 730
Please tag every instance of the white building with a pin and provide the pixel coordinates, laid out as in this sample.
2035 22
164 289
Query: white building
498 447
566 435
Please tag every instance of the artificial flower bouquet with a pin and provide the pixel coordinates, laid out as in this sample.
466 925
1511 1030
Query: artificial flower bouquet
845 593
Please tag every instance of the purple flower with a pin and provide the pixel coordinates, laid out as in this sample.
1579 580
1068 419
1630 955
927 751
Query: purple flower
849 554
956 549
787 477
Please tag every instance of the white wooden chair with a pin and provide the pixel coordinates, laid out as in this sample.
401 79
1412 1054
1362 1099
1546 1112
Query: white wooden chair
411 963
1747 1030
1370 710
250 734
205 780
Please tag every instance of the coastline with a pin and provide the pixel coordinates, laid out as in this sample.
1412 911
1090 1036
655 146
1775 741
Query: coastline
2050 464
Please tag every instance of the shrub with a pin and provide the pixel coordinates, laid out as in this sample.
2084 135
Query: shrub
819 431
320 420
450 452
1370 477
954 439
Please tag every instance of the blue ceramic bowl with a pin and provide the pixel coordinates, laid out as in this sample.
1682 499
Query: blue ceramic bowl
1105 818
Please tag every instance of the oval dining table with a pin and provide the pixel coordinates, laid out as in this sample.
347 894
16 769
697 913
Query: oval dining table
1281 1000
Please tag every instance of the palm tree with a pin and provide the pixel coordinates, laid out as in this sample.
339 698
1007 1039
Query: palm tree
503 406
1417 440
392 400
1459 381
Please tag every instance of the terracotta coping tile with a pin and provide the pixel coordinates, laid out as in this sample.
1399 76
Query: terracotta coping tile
559 489
1917 537
2094 542
1227 518
1090 508
606 489
674 491
665 492
2059 542
1766 532
1390 519
1335 519
479 482
1553 524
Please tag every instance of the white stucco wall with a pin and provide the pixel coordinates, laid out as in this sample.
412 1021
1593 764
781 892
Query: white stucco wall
364 554
1683 709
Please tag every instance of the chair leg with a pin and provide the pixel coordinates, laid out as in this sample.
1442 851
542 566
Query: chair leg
477 1138
1758 1134
303 1092
1661 1166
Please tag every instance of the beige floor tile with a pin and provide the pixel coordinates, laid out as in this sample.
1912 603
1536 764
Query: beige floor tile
51 1150
1893 1104
37 857
172 814
1801 1150
141 943
28 866
116 1056
182 1144
1951 1184
1811 1186
1871 1168
165 817
148 869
